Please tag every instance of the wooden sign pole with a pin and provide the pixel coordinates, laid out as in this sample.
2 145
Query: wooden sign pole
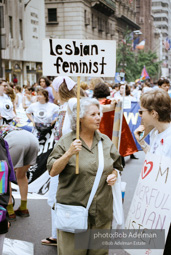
78 122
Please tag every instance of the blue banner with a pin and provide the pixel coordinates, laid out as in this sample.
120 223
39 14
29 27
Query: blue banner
134 120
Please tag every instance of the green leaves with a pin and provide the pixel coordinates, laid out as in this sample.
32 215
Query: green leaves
132 62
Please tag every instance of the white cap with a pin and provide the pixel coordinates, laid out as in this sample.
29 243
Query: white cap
60 79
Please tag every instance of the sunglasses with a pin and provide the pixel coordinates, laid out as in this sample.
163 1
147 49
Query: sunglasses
141 111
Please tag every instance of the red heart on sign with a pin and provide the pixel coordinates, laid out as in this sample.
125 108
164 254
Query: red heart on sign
147 168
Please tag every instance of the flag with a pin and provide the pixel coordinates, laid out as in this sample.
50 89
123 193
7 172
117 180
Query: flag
167 43
130 1
135 42
141 45
144 74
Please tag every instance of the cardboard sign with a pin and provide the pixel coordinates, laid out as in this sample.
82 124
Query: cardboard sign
95 58
151 203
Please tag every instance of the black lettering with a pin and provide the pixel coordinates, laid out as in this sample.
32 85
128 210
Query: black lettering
102 64
76 49
64 66
90 66
51 48
81 49
86 50
58 47
84 67
96 49
96 66
73 67
68 47
57 64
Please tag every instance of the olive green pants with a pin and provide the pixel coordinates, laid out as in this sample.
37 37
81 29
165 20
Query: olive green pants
66 243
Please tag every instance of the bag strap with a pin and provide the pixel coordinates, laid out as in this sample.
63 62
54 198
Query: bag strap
98 175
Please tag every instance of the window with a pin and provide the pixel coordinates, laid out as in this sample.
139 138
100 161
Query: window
21 29
52 15
10 26
1 16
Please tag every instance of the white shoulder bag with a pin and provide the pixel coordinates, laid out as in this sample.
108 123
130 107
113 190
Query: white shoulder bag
74 219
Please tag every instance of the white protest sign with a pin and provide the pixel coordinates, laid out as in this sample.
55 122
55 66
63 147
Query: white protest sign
127 103
95 58
151 203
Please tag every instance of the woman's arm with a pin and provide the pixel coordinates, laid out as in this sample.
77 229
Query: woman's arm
109 107
30 117
142 143
23 102
59 165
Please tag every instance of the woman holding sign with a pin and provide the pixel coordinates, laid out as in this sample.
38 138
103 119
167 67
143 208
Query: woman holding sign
156 111
75 189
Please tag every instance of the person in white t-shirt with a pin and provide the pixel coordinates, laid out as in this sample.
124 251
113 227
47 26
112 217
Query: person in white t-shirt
41 113
155 111
6 107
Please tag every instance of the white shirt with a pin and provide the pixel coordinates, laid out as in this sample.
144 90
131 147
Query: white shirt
160 143
43 113
6 107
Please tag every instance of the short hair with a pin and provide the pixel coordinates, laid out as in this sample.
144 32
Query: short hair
85 102
159 101
84 85
66 94
101 90
10 92
161 81
147 83
47 81
94 82
127 89
18 88
44 93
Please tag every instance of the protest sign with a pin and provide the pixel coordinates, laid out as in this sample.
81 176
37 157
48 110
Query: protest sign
95 58
151 203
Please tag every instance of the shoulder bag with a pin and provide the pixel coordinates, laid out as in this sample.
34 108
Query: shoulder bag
74 219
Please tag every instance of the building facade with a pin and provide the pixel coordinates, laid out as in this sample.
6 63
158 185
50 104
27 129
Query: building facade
90 19
161 11
22 32
144 19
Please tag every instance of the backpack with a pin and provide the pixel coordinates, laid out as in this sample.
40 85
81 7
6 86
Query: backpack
4 179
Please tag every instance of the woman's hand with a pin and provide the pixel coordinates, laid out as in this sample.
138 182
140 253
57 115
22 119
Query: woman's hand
138 132
75 147
111 179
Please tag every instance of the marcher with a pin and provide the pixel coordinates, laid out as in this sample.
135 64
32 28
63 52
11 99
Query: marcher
7 171
164 84
75 189
6 106
156 111
41 114
19 96
28 98
65 93
45 84
23 148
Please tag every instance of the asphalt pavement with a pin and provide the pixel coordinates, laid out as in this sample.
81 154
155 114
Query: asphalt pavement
38 225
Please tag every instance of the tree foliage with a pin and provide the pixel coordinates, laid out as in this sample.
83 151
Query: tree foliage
132 62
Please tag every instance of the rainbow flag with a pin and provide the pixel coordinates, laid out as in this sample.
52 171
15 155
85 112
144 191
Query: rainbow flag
3 177
144 75
2 213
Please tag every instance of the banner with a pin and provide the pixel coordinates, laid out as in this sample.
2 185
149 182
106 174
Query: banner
95 58
134 120
38 177
151 203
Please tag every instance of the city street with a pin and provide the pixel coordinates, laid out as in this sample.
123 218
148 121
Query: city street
38 225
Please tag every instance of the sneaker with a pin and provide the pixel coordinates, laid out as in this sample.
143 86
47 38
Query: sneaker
22 213
11 217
